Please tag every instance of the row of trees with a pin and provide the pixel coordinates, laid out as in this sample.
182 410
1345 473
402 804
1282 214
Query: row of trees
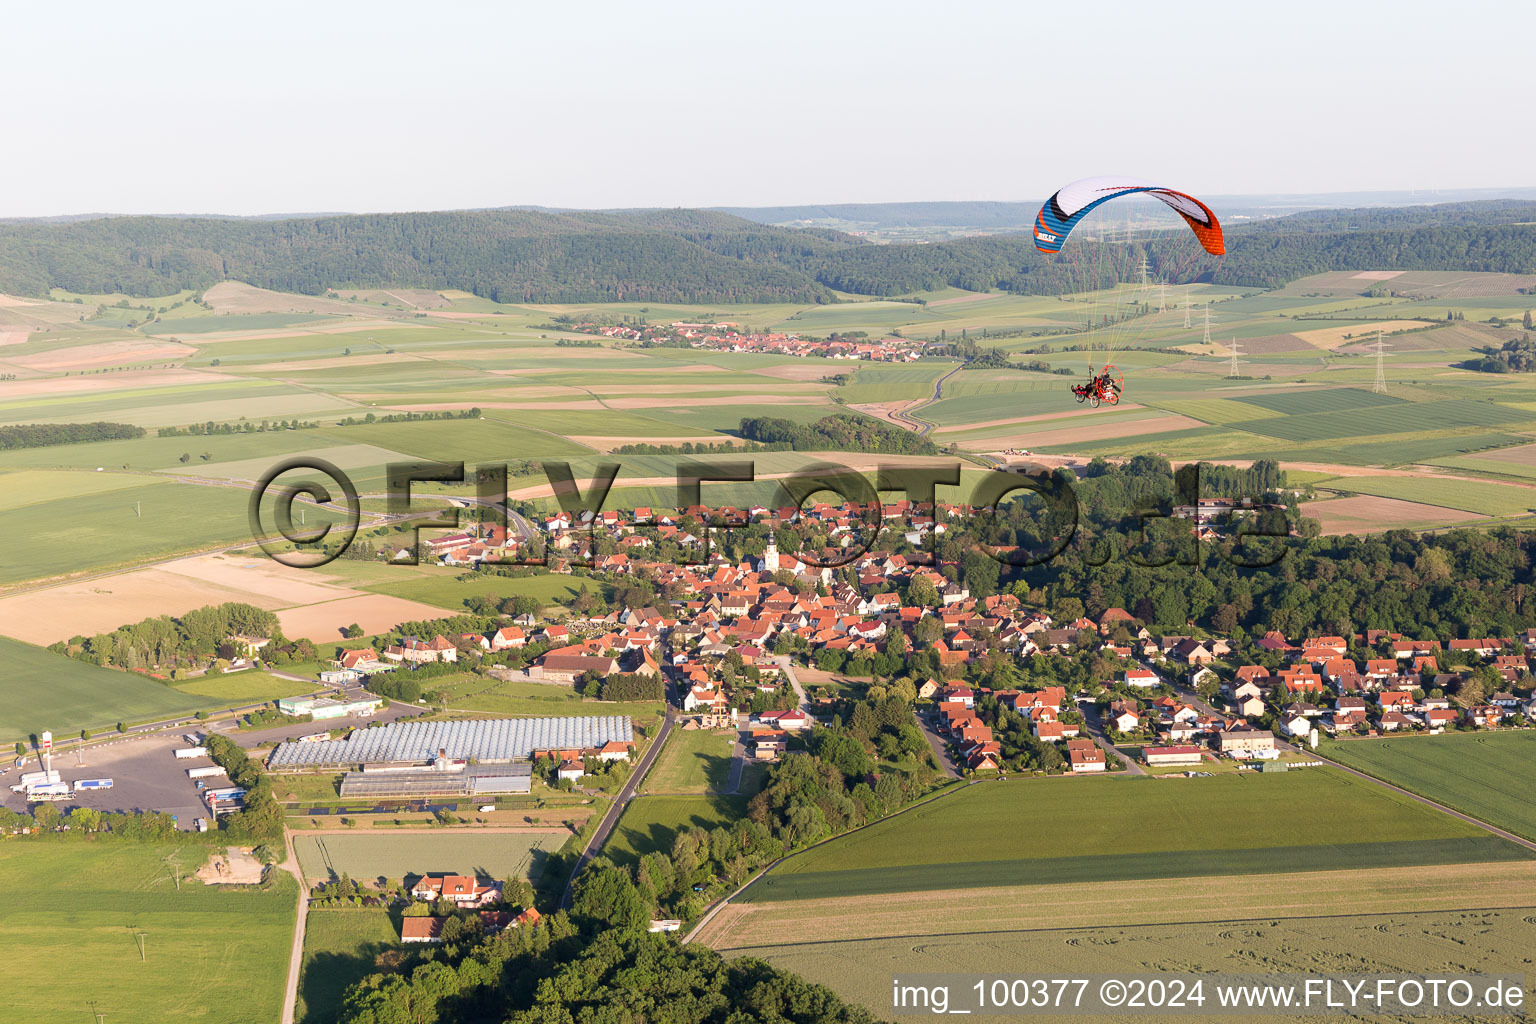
41 435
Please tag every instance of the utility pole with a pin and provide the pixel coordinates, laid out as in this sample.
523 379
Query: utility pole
1233 371
100 1015
140 937
1380 386
138 509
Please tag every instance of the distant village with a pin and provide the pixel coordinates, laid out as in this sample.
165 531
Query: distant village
729 337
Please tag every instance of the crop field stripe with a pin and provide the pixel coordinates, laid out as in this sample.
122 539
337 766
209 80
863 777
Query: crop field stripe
1130 867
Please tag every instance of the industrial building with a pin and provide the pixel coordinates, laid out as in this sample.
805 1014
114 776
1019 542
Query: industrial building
324 707
456 779
474 741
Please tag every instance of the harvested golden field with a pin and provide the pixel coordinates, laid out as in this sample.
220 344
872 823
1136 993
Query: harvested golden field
1368 514
1333 337
376 613
1108 904
1373 942
105 353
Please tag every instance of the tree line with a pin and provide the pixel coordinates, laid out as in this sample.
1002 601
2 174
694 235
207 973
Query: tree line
43 435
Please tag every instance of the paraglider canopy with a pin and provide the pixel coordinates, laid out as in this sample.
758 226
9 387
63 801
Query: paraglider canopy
1064 210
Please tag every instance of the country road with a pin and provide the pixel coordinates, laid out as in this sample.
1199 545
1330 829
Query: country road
595 844
909 415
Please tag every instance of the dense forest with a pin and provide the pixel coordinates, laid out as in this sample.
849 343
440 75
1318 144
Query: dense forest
700 256
841 432
564 972
1462 583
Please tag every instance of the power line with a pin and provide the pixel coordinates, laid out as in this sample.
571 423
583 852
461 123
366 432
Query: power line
1380 386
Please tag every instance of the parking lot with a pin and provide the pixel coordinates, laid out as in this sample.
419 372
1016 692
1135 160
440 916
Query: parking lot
145 774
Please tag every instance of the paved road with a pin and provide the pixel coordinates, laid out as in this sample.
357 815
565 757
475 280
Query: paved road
1093 721
922 426
595 845
940 748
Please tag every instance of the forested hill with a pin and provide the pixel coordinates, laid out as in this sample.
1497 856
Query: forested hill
694 255
506 255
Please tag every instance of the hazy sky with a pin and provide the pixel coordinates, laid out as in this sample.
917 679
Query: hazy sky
159 107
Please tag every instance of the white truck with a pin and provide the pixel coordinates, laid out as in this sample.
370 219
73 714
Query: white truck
187 752
207 771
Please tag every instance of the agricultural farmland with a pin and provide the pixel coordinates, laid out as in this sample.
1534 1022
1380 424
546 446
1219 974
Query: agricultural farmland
1368 943
1486 775
1111 828
47 691
95 897
366 857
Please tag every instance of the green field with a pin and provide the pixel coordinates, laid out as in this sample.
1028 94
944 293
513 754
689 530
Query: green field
1489 499
245 687
47 691
450 588
692 762
126 526
367 857
1487 775
340 945
213 954
651 823
1035 832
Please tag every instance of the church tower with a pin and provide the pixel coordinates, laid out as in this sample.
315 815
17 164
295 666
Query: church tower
771 555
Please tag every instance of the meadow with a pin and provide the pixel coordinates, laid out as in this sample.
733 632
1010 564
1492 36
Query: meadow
692 762
47 691
97 896
1132 828
650 823
340 945
366 857
1484 774
450 588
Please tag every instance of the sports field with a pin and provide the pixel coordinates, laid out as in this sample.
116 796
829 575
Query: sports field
1025 832
1485 774
47 691
497 855
214 954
